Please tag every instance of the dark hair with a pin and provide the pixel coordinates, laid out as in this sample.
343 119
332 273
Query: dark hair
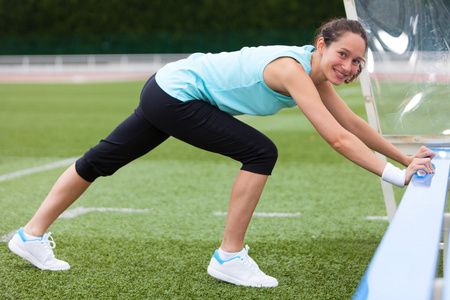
333 30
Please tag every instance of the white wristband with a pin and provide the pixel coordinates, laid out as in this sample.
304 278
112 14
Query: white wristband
394 175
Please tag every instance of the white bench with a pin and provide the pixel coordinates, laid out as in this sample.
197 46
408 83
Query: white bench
405 263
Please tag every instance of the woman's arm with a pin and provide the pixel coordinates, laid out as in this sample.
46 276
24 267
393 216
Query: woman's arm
286 76
359 127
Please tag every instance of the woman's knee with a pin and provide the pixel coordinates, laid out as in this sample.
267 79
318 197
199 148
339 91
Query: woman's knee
263 160
91 169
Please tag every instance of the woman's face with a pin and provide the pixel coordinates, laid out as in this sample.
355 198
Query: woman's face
341 59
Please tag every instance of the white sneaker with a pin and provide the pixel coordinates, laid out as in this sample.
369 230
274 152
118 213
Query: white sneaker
39 252
240 270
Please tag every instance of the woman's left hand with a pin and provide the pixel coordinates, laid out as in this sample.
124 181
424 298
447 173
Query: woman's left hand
422 153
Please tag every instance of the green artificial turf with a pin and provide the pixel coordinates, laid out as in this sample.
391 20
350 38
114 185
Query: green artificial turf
163 252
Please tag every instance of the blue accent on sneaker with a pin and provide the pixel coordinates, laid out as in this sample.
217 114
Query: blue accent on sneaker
219 260
22 236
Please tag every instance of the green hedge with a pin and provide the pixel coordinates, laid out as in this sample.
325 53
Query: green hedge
137 26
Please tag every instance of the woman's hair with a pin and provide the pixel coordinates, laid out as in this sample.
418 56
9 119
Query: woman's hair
333 30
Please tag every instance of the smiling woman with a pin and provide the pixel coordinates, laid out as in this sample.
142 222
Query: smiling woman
334 31
193 100
344 57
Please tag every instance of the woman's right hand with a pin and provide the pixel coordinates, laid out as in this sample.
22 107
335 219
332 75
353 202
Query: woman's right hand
418 164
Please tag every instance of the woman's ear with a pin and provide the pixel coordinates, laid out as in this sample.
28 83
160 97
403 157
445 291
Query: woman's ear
320 45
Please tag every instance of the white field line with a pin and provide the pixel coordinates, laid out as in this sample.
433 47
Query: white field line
289 215
72 213
50 166
261 214
7 237
377 218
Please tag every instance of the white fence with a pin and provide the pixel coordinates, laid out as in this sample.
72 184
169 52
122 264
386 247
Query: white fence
17 65
82 68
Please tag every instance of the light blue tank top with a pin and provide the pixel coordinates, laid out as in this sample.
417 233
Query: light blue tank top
231 81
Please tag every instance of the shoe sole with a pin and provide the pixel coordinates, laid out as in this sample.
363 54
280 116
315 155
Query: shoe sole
27 256
221 276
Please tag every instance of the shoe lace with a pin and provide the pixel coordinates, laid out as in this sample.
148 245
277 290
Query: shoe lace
248 261
48 243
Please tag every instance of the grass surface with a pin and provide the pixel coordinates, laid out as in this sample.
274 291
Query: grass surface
164 253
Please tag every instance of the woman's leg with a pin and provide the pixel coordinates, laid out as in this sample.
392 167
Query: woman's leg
31 242
68 188
245 195
131 139
206 127
231 262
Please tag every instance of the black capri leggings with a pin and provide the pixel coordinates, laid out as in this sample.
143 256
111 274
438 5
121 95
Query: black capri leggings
196 122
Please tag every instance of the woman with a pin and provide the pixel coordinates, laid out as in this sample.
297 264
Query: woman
194 100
